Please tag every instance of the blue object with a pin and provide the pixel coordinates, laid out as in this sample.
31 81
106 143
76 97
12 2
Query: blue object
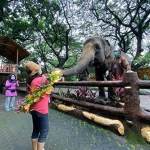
116 54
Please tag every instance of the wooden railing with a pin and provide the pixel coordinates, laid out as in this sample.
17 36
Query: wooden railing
131 110
8 68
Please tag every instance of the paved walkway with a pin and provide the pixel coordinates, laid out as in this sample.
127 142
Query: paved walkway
66 133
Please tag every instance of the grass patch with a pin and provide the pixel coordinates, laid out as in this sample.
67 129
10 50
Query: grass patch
135 138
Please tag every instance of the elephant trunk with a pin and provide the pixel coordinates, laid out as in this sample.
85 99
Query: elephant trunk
86 57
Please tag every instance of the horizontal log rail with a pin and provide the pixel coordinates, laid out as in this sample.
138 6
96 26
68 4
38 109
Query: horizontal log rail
92 106
92 83
142 84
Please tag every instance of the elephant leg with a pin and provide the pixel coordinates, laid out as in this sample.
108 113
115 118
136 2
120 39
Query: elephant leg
100 77
101 92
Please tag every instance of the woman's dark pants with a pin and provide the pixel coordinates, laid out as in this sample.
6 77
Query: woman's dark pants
40 126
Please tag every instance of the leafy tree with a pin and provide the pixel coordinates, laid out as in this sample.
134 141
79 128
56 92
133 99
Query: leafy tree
141 61
128 18
36 25
2 4
49 29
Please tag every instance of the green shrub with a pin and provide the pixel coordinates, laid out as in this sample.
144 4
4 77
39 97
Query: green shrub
70 78
145 77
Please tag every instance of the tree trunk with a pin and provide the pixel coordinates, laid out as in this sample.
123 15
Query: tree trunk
139 44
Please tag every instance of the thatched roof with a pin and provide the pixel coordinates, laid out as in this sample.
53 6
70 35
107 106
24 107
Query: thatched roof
8 49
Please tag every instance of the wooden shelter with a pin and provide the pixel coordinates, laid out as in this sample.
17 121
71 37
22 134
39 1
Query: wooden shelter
12 51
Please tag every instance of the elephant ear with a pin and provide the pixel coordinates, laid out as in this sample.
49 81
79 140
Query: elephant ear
107 49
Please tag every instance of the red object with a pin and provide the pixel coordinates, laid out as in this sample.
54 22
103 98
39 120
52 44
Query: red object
118 90
40 106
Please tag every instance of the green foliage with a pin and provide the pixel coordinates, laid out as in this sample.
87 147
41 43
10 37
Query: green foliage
23 74
3 3
37 28
145 77
70 78
65 94
134 137
91 70
46 28
141 61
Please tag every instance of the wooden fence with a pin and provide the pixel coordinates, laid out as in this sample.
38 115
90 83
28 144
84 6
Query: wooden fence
131 111
4 68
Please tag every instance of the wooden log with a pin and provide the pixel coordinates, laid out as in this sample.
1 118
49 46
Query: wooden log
145 132
105 121
144 83
91 106
65 108
132 99
92 83
144 115
116 124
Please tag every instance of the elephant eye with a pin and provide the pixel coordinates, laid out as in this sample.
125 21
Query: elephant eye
97 46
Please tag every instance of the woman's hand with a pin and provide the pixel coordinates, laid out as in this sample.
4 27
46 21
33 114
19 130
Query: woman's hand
15 81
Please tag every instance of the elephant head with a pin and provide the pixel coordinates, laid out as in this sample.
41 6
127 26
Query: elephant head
96 51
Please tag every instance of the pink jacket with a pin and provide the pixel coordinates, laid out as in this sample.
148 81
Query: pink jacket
9 86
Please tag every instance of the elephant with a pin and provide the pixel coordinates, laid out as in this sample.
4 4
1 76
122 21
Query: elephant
96 52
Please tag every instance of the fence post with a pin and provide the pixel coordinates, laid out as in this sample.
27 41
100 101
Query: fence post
132 99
